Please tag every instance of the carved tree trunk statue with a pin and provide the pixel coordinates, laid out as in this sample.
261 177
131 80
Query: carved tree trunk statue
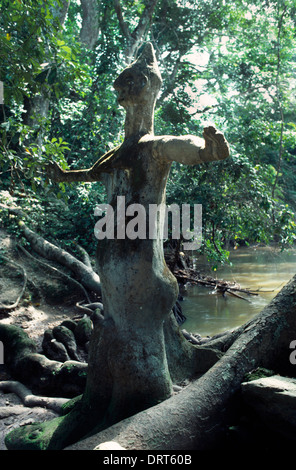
136 350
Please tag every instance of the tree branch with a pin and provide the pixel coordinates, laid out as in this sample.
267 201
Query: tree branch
144 21
123 25
171 79
135 37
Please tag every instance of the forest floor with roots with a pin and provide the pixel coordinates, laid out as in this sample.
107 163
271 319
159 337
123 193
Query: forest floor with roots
46 302
39 296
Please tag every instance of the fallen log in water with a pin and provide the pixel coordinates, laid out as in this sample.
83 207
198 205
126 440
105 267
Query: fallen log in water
191 276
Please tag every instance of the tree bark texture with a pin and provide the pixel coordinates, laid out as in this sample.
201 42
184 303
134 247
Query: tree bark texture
197 416
90 23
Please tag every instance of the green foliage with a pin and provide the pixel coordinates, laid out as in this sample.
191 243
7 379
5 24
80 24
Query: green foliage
227 63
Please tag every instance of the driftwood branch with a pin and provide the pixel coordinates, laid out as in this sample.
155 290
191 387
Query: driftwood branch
189 275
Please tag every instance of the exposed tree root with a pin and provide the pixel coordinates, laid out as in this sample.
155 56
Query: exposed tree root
30 400
85 256
89 308
6 411
42 375
6 308
197 416
56 271
87 276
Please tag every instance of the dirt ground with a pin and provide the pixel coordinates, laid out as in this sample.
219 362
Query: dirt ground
46 302
34 321
13 414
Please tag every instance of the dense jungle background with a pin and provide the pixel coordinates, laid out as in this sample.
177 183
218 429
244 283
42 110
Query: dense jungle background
231 64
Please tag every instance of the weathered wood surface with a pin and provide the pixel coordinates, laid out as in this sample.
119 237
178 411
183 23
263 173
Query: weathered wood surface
198 415
273 401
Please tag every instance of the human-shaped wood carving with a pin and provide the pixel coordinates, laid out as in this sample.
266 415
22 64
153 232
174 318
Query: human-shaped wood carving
130 359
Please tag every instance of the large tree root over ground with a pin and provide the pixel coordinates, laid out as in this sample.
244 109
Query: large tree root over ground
195 417
85 273
35 370
31 400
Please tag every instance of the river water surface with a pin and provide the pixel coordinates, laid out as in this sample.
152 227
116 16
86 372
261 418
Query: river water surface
265 269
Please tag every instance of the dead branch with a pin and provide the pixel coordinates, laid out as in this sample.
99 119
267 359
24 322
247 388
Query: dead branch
236 295
189 275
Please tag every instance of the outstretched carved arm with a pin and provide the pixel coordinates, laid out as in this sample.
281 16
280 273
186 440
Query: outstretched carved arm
57 174
103 165
192 150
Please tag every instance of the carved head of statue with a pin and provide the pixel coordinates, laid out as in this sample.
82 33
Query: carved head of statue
140 82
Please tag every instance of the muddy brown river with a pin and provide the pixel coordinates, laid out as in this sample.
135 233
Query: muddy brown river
262 269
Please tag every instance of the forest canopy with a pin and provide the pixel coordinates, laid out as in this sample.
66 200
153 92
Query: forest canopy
226 63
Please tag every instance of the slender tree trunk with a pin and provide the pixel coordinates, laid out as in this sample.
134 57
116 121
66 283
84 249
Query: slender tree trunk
37 106
90 23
